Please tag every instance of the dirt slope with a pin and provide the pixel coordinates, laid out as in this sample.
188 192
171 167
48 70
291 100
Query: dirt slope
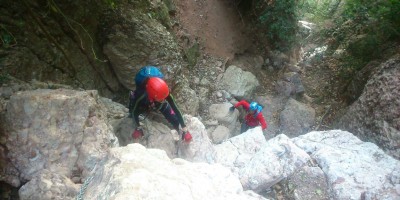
216 24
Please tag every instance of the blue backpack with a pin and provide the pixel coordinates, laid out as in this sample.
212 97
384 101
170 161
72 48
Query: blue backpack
146 72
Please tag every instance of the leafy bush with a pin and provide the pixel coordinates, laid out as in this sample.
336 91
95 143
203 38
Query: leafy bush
380 17
317 10
4 78
375 23
279 21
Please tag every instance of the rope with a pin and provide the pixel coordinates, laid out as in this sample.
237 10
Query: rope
83 188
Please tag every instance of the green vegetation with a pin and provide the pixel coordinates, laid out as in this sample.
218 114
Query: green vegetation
161 13
4 78
317 10
365 28
111 3
375 24
278 22
192 54
380 23
6 37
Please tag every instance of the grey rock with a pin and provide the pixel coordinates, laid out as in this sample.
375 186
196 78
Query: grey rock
48 185
309 183
296 118
375 115
220 134
238 82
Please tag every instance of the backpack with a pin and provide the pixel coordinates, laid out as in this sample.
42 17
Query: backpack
146 72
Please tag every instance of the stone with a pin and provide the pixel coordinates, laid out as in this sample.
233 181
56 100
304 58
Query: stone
296 118
373 116
347 162
239 83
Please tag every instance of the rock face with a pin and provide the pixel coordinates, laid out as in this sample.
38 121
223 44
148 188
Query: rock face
48 185
375 116
63 131
56 138
53 51
309 183
354 169
134 172
137 40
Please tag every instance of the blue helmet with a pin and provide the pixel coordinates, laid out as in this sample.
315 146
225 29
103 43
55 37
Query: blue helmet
253 106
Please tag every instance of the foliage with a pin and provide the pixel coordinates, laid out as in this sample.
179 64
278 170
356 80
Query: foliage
192 54
75 25
161 14
363 27
4 78
111 3
380 17
378 23
317 10
350 65
279 21
6 37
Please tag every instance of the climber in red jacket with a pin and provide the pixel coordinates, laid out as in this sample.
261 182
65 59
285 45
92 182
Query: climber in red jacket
254 116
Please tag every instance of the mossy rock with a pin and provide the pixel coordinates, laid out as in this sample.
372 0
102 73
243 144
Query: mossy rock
192 54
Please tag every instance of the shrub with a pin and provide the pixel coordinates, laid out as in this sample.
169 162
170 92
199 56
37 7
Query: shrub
278 20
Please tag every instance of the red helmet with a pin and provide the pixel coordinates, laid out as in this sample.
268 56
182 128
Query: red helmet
157 89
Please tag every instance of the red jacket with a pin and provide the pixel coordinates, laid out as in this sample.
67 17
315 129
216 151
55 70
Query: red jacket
250 119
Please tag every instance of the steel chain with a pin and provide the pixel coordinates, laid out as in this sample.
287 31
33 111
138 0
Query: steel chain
83 188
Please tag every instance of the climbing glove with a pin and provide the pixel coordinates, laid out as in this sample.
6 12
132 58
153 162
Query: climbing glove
137 134
186 137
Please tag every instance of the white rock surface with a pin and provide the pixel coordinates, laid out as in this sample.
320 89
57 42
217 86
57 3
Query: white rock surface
134 172
354 169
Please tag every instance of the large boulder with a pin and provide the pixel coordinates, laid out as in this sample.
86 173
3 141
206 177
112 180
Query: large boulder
224 116
354 169
239 150
290 84
239 83
296 119
375 116
63 131
276 160
134 172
